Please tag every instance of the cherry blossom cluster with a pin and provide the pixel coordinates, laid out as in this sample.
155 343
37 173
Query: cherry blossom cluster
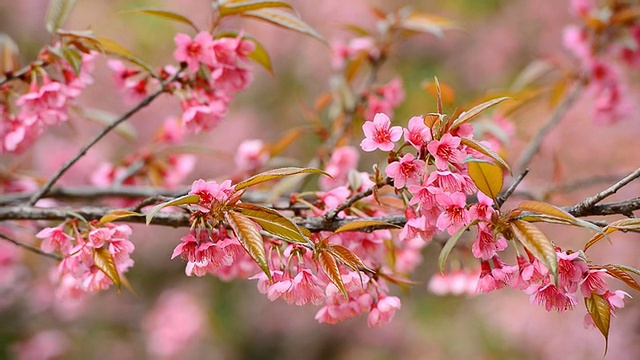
40 98
92 254
598 47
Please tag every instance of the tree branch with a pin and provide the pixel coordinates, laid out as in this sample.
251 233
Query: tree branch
504 196
586 205
534 146
30 248
146 101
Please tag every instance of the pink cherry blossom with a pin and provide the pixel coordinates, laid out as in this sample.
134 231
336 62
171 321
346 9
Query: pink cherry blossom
594 283
203 116
483 209
446 151
196 51
379 135
343 160
417 133
383 311
251 155
55 239
551 297
407 171
486 246
570 271
211 193
454 215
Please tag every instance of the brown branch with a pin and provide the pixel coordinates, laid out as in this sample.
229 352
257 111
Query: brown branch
21 72
504 196
30 248
146 101
584 207
534 146
92 193
354 198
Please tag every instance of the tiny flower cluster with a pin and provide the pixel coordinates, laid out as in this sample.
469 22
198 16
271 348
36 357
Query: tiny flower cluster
91 256
24 116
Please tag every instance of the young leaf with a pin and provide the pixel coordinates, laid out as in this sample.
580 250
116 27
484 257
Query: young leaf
487 177
446 249
553 215
276 174
284 19
73 57
348 257
272 222
9 55
330 268
365 224
249 237
426 23
624 224
164 14
241 6
57 13
621 275
487 152
537 243
117 214
103 260
598 308
475 111
112 47
182 200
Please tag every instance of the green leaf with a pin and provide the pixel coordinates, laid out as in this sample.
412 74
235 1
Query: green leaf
107 118
537 243
624 224
117 214
182 200
487 177
249 237
273 222
233 7
357 225
451 242
73 57
112 47
475 111
57 14
164 14
284 19
348 257
487 152
598 308
103 260
330 267
276 174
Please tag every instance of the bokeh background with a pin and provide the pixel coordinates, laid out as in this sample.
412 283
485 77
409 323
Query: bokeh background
205 318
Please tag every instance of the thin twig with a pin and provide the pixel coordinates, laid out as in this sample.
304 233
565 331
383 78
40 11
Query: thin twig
534 146
18 73
30 248
504 196
584 206
353 199
93 192
146 101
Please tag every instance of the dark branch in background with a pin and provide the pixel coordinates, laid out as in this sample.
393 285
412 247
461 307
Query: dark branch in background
534 146
504 196
30 248
90 192
584 207
146 101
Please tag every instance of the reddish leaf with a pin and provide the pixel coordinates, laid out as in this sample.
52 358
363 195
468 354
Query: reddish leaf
475 111
182 200
479 147
365 224
249 237
240 6
9 55
624 224
276 174
164 14
273 222
598 308
537 243
330 268
284 19
487 177
117 214
620 274
426 23
103 260
348 257
552 214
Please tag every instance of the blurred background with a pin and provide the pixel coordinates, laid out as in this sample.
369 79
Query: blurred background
205 318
